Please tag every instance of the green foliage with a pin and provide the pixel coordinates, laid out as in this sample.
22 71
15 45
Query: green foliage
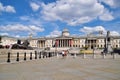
86 47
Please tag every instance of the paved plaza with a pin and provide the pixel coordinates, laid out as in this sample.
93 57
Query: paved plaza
68 68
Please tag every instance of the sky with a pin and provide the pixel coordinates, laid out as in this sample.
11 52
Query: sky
47 18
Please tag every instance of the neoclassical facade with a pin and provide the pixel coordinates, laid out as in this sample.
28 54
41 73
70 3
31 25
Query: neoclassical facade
5 40
66 41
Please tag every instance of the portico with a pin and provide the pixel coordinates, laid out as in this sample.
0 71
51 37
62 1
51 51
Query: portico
41 43
64 42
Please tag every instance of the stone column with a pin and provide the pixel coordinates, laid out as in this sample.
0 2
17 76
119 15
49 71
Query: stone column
67 43
63 43
60 43
70 43
40 44
44 43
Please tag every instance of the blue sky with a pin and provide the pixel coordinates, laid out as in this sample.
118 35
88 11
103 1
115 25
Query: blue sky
20 18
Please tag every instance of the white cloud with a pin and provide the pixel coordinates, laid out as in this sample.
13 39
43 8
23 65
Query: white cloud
23 29
73 12
1 7
18 36
106 16
20 27
111 3
25 18
35 28
54 33
34 6
89 30
114 33
31 20
4 34
8 8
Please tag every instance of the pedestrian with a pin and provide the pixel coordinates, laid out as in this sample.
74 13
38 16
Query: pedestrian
63 53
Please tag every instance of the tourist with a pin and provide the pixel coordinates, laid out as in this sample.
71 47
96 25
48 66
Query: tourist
63 53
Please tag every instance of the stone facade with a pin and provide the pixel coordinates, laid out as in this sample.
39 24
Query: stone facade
66 41
5 40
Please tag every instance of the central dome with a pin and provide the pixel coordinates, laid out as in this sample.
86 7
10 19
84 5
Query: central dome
65 32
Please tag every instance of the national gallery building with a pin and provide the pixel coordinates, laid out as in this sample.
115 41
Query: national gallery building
66 41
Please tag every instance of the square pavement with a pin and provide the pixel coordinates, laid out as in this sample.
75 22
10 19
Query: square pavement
68 68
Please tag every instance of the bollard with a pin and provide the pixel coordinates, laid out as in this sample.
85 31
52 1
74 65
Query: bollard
25 56
75 55
35 54
31 56
94 56
49 55
52 54
46 54
39 55
17 56
114 56
84 56
8 60
43 54
57 55
103 55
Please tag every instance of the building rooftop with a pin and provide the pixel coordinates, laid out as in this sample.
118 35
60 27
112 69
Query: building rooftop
65 30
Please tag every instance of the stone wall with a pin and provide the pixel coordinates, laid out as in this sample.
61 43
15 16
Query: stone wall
5 51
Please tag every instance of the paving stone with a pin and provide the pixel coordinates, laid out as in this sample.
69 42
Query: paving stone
68 68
